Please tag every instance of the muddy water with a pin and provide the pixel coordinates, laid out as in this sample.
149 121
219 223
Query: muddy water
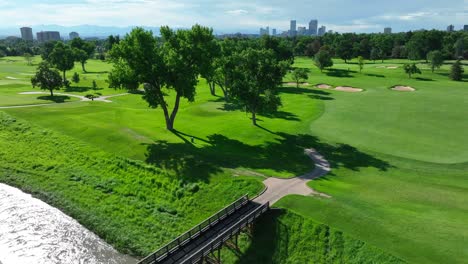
33 232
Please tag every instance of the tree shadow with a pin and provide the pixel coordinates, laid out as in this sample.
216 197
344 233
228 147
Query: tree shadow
77 89
312 93
285 154
283 115
264 241
340 73
95 72
424 79
375 75
55 98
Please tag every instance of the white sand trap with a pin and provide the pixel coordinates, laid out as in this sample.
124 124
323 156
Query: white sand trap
294 84
32 93
11 78
392 67
348 89
323 86
401 88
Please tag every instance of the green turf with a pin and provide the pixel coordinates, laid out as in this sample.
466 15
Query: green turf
399 159
134 206
287 237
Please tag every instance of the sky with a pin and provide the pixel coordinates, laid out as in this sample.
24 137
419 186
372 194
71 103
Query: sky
239 15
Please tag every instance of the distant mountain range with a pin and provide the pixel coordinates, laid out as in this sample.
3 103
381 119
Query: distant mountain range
83 30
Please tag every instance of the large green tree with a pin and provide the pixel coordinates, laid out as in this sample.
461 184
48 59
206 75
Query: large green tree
62 58
257 76
47 78
436 59
172 63
456 72
83 51
323 60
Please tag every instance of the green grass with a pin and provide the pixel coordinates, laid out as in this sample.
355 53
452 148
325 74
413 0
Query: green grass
134 206
287 237
399 160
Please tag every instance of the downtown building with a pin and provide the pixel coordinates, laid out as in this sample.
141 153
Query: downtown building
313 27
322 30
26 33
74 35
45 36
292 28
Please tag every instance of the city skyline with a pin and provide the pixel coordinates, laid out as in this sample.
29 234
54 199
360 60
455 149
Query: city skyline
241 16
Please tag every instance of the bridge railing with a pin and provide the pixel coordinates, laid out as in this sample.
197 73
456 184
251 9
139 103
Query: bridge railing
226 235
195 232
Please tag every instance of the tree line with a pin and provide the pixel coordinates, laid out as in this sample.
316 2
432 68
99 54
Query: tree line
409 45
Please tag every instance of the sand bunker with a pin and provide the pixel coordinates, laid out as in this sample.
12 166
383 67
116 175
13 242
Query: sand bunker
401 88
323 86
294 84
392 67
11 78
348 89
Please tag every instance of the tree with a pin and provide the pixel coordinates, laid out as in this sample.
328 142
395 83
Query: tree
411 69
257 76
459 47
456 72
28 58
76 78
47 78
62 58
300 74
361 63
83 50
436 59
323 60
344 47
95 86
174 64
375 54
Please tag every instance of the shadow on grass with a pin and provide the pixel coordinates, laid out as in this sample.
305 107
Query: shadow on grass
375 75
55 98
424 79
340 73
264 241
77 89
285 154
314 94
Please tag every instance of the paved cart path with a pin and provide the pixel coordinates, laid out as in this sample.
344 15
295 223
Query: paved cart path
278 188
104 99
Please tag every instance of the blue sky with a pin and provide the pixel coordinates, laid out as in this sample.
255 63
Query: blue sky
240 15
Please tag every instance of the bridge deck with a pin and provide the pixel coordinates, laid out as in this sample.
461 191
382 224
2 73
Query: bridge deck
209 235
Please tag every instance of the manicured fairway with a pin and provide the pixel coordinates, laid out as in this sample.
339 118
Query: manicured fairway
399 159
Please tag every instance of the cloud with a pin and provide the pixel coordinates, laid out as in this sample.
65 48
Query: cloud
237 12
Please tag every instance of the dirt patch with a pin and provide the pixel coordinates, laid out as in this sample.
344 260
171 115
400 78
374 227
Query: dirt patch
401 88
348 89
323 86
294 84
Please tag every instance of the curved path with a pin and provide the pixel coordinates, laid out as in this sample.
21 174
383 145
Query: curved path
82 98
278 188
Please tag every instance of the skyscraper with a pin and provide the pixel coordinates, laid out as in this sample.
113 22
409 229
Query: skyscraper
26 33
465 28
273 32
301 31
322 30
313 26
45 36
387 30
292 29
451 28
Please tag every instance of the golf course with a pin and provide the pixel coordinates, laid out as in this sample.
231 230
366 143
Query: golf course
397 191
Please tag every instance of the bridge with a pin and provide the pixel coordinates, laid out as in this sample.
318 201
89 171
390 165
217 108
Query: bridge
201 242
